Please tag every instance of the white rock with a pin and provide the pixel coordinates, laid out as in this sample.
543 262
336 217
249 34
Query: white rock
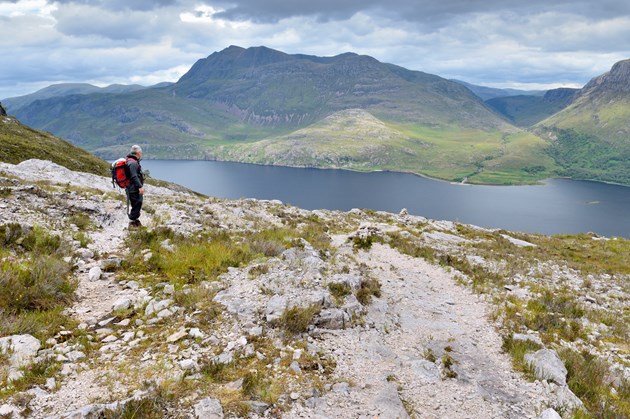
187 364
169 289
66 369
275 307
95 273
109 339
121 304
85 254
75 356
123 322
132 285
295 367
255 331
165 313
519 337
51 383
107 321
9 411
195 333
209 409
22 348
567 399
517 242
180 334
549 414
547 366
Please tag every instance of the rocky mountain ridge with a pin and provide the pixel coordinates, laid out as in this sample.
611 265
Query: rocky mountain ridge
309 314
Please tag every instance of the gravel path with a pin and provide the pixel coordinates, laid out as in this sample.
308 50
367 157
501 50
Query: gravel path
385 369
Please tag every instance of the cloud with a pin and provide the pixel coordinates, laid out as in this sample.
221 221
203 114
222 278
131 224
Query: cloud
497 42
121 5
426 11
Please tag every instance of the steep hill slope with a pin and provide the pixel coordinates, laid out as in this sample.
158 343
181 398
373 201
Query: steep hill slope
591 137
239 96
527 110
19 143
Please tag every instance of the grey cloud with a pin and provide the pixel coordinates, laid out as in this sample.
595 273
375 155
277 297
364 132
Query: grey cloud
81 20
426 11
121 4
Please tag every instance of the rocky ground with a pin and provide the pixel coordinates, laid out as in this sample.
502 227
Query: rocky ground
420 343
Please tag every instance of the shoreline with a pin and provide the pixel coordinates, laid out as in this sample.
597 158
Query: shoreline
422 175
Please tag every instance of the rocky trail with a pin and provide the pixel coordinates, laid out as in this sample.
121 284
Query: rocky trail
422 314
423 347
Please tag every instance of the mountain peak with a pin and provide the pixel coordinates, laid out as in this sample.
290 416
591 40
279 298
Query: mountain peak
616 80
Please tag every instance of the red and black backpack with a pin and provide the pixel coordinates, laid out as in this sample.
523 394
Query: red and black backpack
120 173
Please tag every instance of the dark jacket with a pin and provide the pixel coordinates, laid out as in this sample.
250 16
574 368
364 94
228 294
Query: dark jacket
136 177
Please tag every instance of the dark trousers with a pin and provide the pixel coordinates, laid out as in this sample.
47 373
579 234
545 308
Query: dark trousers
135 199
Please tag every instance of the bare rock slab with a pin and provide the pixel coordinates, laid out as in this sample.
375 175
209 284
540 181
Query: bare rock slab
548 366
209 408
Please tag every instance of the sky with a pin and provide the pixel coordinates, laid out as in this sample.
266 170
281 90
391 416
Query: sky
524 44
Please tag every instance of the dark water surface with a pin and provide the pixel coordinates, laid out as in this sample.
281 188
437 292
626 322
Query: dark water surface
558 206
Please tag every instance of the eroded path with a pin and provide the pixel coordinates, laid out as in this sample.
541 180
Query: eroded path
395 364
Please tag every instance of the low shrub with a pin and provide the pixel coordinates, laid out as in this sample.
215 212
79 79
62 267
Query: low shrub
369 288
41 284
297 319
588 377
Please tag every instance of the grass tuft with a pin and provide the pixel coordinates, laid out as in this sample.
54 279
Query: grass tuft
296 319
369 288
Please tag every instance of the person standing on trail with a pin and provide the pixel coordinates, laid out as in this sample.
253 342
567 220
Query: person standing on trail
135 190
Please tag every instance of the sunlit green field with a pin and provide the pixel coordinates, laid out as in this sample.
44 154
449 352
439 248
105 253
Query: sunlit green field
356 140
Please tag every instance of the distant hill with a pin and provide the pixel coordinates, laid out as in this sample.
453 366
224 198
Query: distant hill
486 93
525 111
591 137
235 97
19 142
65 89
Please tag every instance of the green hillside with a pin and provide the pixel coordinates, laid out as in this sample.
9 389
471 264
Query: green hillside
65 89
527 110
355 139
236 97
19 143
591 137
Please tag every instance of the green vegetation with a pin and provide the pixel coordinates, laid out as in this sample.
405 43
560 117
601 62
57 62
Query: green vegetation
586 156
35 281
527 110
149 408
204 257
369 287
297 319
19 143
517 350
588 378
339 290
33 375
356 140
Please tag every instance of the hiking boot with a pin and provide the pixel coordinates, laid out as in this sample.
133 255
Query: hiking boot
135 224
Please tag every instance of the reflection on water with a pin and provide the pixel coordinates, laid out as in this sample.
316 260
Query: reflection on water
558 206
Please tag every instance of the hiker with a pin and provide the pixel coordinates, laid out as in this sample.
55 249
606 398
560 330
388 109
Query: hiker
135 190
